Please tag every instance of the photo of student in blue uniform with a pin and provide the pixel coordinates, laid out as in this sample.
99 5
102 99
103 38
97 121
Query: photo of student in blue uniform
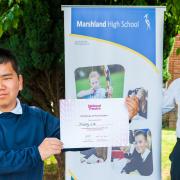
140 160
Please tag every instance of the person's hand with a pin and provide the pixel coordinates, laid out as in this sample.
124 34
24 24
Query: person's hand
92 91
132 104
50 146
109 92
128 161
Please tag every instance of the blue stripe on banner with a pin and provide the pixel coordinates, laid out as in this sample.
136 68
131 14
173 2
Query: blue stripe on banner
130 27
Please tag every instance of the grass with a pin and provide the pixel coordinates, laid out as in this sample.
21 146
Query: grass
168 142
83 84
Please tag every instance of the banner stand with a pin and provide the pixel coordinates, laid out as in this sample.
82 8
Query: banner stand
114 52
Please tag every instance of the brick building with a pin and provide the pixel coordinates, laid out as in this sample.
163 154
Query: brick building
174 60
174 69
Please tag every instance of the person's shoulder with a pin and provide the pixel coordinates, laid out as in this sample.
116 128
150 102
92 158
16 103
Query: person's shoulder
175 84
176 81
34 111
31 109
37 112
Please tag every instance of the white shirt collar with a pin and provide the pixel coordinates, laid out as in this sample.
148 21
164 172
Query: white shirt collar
17 109
145 154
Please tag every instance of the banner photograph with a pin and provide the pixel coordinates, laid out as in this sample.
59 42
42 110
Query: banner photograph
116 52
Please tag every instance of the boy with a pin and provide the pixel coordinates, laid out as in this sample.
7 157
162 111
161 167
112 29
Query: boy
96 91
141 158
28 135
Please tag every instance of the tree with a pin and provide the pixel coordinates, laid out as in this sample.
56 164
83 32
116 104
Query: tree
10 14
171 29
39 45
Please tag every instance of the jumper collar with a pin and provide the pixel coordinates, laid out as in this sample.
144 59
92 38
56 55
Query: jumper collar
17 109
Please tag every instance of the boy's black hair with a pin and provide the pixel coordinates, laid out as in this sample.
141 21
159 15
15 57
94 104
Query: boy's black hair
6 56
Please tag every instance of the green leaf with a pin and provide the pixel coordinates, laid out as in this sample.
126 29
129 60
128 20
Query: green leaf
18 1
6 25
16 10
10 2
25 1
178 51
1 30
10 16
15 23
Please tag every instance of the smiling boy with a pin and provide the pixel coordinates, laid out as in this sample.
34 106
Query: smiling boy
28 135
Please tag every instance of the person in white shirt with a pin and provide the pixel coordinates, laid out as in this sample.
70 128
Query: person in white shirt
171 98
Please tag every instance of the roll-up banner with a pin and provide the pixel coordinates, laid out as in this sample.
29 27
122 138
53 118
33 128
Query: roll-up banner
117 49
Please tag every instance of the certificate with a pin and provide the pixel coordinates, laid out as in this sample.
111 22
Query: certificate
94 123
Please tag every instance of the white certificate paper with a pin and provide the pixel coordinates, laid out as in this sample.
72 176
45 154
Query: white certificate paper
94 123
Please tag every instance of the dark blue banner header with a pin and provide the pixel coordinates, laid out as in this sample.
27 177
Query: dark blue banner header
130 27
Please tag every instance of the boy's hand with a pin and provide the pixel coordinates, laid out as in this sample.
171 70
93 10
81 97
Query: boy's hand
132 104
109 92
50 146
92 91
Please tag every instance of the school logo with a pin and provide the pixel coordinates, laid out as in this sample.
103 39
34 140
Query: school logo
147 21
94 106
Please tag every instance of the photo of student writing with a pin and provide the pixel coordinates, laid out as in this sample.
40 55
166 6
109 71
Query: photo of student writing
142 95
95 90
139 161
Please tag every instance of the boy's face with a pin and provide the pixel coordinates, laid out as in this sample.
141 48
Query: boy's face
94 82
140 143
140 94
10 85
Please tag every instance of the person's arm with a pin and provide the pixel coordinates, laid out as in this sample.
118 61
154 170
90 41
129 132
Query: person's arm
14 161
51 145
85 93
52 125
169 98
129 167
109 92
